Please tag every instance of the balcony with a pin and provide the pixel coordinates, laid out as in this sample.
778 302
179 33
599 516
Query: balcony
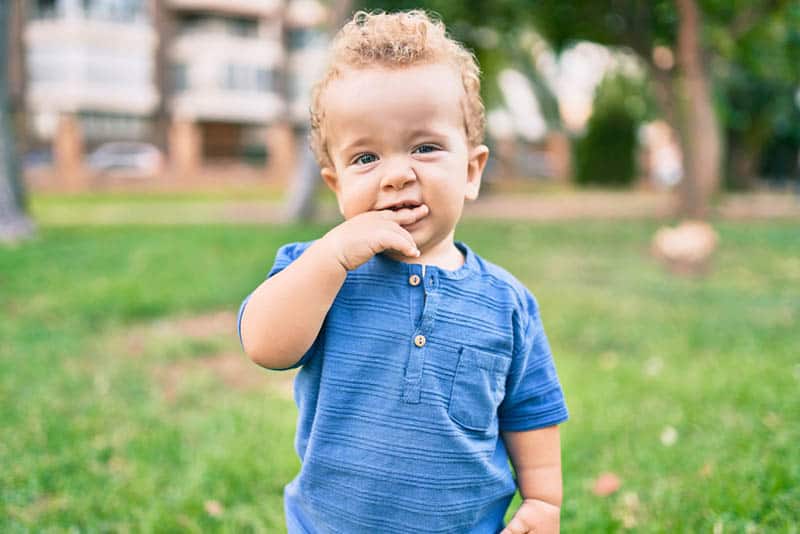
76 63
256 8
210 104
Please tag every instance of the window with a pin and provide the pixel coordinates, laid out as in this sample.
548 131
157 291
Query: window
45 9
248 78
178 77
102 126
115 10
264 81
201 23
243 27
301 37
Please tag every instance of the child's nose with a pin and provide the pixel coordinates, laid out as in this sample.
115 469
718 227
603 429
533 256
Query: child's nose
397 174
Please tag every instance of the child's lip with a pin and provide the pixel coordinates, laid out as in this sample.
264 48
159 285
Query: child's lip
408 204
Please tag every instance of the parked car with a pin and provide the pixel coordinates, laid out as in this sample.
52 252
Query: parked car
128 158
38 158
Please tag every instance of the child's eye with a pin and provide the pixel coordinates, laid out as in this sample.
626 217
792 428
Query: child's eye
426 149
365 159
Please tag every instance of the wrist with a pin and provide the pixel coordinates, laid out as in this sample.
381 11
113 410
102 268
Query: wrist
541 500
328 253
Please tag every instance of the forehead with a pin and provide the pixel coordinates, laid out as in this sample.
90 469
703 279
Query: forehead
378 100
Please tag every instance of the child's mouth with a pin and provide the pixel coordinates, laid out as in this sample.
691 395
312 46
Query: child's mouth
405 205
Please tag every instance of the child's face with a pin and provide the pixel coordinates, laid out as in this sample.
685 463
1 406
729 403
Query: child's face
397 136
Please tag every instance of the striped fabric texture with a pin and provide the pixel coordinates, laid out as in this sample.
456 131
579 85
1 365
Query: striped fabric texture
403 395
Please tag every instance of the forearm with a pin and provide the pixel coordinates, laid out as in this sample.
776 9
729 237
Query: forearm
542 483
536 456
285 313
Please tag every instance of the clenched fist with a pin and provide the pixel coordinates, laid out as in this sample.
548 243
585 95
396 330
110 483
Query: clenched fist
534 516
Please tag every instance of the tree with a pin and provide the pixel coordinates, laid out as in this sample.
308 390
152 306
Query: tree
667 37
757 94
689 48
696 122
14 224
305 179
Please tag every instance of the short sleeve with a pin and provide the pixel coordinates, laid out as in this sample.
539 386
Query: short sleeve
534 397
283 258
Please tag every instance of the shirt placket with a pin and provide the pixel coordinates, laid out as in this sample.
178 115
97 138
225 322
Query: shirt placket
428 283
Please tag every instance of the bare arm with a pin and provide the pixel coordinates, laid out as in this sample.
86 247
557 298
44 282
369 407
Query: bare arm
285 313
536 455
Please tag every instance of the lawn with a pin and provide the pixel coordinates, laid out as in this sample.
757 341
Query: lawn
127 406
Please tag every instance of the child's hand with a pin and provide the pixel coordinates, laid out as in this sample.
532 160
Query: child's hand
534 516
359 238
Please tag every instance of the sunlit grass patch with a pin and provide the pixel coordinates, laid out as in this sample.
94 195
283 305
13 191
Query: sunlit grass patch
127 404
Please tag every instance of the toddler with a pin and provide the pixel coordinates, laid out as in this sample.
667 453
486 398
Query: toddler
424 368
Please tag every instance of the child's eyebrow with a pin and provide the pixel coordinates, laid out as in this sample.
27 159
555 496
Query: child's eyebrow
425 132
422 130
356 143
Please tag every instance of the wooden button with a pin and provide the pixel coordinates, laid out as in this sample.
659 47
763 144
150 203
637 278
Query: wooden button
413 280
419 340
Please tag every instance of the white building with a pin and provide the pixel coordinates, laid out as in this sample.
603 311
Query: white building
225 61
93 60
203 79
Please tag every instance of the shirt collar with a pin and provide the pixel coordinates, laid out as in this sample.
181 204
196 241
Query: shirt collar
383 263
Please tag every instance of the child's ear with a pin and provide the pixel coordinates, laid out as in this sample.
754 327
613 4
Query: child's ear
478 156
332 181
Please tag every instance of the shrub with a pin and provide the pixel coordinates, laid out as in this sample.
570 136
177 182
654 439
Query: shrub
606 154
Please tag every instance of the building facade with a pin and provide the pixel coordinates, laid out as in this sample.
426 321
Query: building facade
205 80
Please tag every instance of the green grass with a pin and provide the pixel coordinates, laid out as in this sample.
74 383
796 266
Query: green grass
112 421
166 207
268 192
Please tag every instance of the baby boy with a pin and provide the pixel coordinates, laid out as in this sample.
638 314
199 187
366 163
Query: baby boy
424 368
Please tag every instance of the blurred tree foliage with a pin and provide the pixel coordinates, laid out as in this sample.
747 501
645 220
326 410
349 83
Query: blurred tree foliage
741 54
751 49
757 72
497 32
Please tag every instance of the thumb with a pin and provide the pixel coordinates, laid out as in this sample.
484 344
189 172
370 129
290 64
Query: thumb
515 526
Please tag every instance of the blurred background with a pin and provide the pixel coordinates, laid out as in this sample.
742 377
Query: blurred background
644 182
175 92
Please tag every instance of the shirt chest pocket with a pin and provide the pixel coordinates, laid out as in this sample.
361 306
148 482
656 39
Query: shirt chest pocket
478 389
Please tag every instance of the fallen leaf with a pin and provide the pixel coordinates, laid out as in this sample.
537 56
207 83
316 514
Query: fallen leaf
609 360
630 510
771 420
213 508
706 470
606 484
653 366
669 436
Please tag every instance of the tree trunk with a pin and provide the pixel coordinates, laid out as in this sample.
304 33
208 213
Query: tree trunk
699 129
743 164
301 204
14 224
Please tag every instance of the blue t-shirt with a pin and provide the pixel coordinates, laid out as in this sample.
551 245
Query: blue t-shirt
402 396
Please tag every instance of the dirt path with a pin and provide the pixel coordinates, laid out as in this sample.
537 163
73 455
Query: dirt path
168 349
533 207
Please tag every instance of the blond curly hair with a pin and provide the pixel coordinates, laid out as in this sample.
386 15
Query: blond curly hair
396 40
